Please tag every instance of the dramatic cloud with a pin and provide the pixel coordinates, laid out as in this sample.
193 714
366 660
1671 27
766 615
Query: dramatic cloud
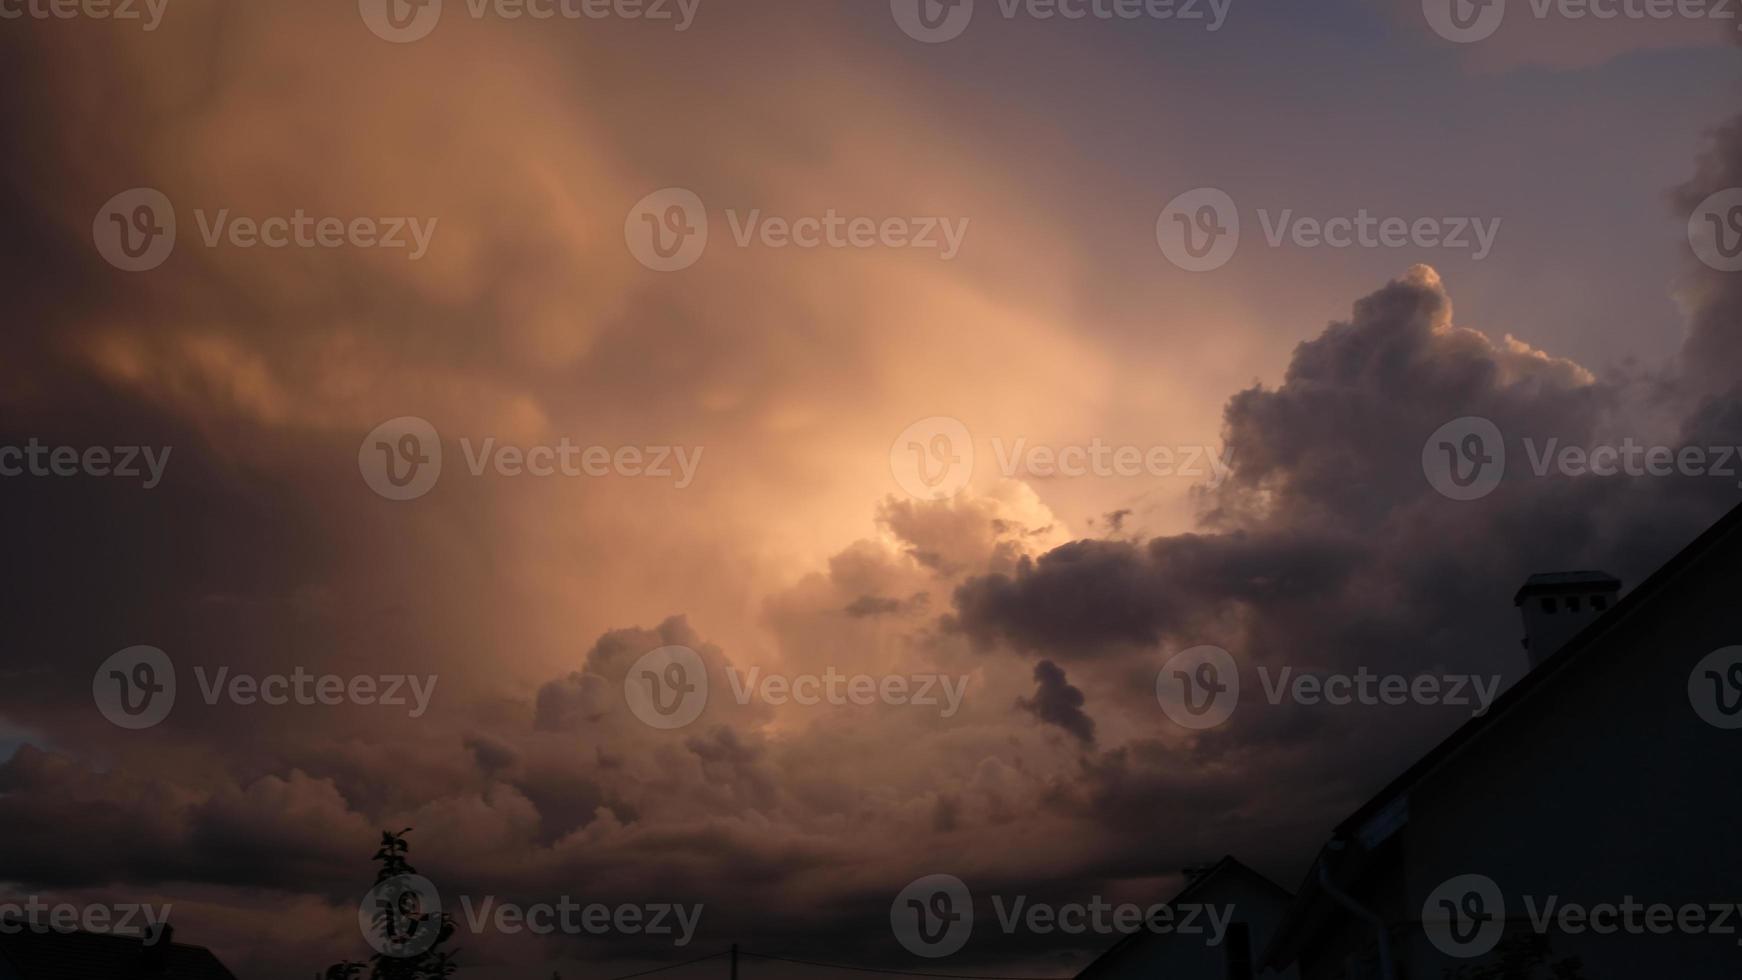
1013 632
1058 703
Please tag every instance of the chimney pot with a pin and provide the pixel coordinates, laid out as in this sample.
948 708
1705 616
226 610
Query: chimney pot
1555 606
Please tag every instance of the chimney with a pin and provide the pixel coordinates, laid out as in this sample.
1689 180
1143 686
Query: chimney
1557 605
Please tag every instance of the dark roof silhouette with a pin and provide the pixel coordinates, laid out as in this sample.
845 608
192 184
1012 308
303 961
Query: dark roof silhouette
1108 961
1309 903
1550 670
40 953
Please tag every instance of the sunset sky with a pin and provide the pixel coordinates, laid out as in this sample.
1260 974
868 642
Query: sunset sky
789 382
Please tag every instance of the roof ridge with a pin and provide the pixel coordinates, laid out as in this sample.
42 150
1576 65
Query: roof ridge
1551 667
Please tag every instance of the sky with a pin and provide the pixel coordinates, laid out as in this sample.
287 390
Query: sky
1001 430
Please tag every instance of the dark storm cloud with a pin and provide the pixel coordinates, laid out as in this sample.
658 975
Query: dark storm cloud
492 755
565 801
1714 346
1337 445
568 701
1329 547
1056 702
586 696
1092 595
73 827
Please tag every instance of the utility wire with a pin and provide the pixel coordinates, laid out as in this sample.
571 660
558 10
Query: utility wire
673 966
899 973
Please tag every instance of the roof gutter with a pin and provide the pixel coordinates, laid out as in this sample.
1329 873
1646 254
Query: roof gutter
1387 971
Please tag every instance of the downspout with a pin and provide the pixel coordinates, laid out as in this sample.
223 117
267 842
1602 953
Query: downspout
1386 970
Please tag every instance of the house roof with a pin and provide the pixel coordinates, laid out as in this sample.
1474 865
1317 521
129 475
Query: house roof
1393 798
1228 866
47 954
